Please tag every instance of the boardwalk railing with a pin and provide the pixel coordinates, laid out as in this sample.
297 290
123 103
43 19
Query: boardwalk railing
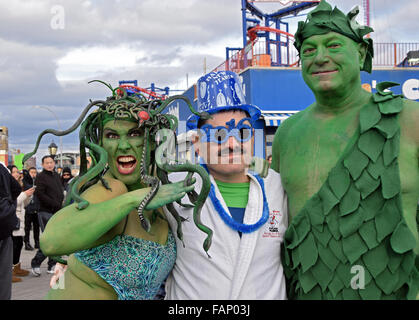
272 53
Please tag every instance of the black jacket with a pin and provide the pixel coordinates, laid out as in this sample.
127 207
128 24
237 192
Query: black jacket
9 189
33 206
49 191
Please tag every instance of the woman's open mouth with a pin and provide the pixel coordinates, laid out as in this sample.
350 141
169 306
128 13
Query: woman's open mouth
126 164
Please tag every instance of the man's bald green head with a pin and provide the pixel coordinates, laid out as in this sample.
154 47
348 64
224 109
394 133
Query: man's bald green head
323 19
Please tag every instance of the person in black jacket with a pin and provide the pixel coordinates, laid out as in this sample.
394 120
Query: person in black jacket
50 194
9 191
31 211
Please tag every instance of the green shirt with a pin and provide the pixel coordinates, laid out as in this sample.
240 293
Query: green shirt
234 194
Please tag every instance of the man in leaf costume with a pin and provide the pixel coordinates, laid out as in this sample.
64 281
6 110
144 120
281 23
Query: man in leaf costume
349 164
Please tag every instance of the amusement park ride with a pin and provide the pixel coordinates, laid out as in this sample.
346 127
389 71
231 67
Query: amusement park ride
267 41
268 65
153 92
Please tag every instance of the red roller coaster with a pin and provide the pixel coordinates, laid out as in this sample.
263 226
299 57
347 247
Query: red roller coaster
135 90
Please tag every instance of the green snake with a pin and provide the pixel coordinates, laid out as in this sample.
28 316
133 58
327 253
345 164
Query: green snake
119 106
164 164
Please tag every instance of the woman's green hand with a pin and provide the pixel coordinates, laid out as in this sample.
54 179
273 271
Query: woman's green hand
168 193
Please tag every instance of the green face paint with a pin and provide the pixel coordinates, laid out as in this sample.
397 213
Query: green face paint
323 19
328 64
124 142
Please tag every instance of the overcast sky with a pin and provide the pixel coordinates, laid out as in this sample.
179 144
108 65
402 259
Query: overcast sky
46 61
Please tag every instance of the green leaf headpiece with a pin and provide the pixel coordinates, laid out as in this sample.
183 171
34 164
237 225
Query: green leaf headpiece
323 19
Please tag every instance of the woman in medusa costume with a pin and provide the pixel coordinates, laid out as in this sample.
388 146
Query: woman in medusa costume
112 227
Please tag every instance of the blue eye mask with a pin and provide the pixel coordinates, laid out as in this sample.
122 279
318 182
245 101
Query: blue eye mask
242 132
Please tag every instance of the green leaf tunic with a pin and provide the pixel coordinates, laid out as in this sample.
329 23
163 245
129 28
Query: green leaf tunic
355 221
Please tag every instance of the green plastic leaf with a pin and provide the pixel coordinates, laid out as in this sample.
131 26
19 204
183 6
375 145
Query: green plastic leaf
390 181
302 227
403 279
322 274
371 143
376 168
376 260
291 237
350 201
351 223
354 247
372 204
395 261
350 294
345 275
328 257
388 126
368 233
355 162
387 219
295 254
333 224
314 294
368 117
366 184
413 289
408 262
308 281
391 149
308 252
339 180
328 199
316 215
336 247
367 275
323 236
371 292
391 106
387 281
382 86
336 286
383 98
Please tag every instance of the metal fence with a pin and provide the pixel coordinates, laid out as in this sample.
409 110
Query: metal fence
272 53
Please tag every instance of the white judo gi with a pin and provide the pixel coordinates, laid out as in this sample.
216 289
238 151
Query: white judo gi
246 268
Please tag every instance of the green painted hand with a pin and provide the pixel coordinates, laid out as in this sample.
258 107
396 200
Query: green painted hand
168 193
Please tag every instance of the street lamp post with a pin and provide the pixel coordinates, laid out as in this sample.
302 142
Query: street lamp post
52 149
59 127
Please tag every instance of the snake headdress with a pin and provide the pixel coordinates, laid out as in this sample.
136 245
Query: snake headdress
154 169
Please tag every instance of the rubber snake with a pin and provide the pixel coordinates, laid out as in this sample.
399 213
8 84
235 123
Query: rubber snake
163 164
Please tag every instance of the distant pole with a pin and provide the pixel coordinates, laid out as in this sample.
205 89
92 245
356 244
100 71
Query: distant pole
244 22
187 82
366 6
205 65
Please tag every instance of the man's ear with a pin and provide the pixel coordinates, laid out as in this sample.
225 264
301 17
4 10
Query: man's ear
362 53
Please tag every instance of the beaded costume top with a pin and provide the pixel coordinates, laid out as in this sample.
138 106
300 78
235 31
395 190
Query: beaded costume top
356 219
134 267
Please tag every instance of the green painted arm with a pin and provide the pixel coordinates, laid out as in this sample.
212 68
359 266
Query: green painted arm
71 230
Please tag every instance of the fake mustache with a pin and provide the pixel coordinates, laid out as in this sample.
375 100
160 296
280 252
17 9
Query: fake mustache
227 151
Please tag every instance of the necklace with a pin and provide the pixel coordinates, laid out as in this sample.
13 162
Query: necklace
241 227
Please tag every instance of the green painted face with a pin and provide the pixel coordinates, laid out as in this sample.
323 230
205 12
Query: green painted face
124 142
331 63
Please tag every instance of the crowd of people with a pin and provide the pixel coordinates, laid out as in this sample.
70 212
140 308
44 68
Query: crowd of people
342 191
37 200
